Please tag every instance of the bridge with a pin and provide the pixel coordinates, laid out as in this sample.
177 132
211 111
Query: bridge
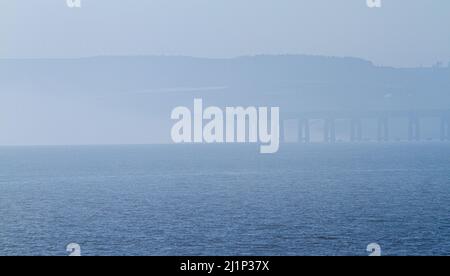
355 120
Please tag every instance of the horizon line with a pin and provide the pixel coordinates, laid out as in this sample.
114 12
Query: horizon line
442 64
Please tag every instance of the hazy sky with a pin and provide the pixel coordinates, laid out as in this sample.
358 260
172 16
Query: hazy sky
401 33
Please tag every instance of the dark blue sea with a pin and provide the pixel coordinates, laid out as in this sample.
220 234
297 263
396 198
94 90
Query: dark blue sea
226 200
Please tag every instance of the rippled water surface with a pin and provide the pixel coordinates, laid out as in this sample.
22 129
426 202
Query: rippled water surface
225 200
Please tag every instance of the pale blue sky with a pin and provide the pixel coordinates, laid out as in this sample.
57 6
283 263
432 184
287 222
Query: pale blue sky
401 33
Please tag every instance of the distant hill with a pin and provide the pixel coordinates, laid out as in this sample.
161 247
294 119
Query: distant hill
295 81
120 100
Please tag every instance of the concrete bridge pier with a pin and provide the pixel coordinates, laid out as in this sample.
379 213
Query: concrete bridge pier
414 128
330 131
304 133
383 129
355 130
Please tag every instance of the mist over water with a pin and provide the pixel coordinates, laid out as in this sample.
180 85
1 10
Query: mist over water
88 159
128 100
